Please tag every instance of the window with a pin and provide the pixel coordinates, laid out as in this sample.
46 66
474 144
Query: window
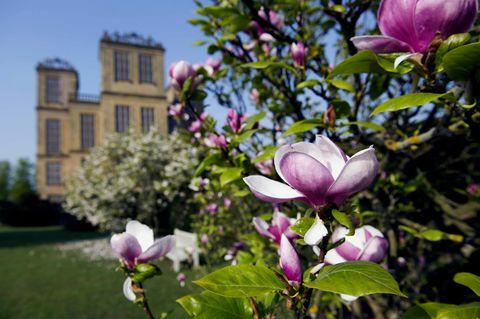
52 89
53 173
148 118
53 136
122 118
145 68
121 66
87 130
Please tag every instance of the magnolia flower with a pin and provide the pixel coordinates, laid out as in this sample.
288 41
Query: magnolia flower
315 234
289 261
227 202
265 167
299 53
212 208
179 73
196 125
273 17
317 173
235 120
411 25
214 65
255 96
214 140
204 239
472 188
280 226
176 110
136 244
181 278
368 244
233 251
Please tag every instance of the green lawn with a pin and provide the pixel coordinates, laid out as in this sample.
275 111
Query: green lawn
39 281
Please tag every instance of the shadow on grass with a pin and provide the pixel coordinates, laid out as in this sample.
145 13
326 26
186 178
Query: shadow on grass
31 236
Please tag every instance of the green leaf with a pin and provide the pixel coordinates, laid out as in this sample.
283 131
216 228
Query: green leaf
470 280
307 84
344 220
244 136
208 305
460 63
208 161
268 153
368 62
467 311
230 174
432 234
369 125
407 101
303 126
343 85
356 278
339 8
427 310
302 225
241 281
454 41
252 120
258 65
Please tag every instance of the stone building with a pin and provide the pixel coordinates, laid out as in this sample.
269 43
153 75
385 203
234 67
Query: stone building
69 123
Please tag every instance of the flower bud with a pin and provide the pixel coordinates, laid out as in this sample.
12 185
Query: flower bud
299 53
289 261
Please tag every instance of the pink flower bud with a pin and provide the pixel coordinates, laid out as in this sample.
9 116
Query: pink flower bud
472 188
181 278
179 72
212 208
280 226
214 140
227 202
299 53
176 110
273 17
234 120
289 261
204 239
329 117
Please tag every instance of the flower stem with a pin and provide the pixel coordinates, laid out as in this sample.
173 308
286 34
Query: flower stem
146 307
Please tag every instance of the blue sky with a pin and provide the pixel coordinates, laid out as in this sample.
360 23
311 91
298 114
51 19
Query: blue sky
31 30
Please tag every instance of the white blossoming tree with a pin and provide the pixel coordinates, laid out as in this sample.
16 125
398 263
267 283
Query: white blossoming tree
134 176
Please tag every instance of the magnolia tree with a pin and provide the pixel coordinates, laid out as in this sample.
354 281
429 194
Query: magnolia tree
358 158
131 176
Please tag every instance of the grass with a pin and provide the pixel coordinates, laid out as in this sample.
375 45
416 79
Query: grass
39 281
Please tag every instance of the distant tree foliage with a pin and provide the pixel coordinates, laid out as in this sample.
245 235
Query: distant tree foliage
22 182
134 177
4 180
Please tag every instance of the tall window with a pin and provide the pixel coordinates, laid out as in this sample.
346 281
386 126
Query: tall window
52 89
87 130
52 130
53 173
145 68
122 118
148 118
121 66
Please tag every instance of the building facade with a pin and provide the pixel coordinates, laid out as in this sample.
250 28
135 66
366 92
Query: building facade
70 123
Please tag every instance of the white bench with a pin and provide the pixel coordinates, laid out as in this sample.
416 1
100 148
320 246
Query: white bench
186 248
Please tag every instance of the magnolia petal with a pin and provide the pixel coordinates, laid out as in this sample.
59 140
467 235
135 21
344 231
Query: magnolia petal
333 258
348 251
371 231
396 19
380 44
375 250
267 37
316 250
348 298
359 172
126 246
142 233
270 190
127 290
339 233
289 261
332 156
160 248
262 227
316 232
281 221
307 175
446 17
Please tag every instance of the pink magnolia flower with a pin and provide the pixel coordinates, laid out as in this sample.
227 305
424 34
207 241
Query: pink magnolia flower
212 208
176 110
299 53
316 173
368 244
214 140
235 120
411 25
227 202
204 239
472 188
181 278
195 126
265 167
233 251
273 17
289 261
212 66
255 96
280 226
136 244
179 73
